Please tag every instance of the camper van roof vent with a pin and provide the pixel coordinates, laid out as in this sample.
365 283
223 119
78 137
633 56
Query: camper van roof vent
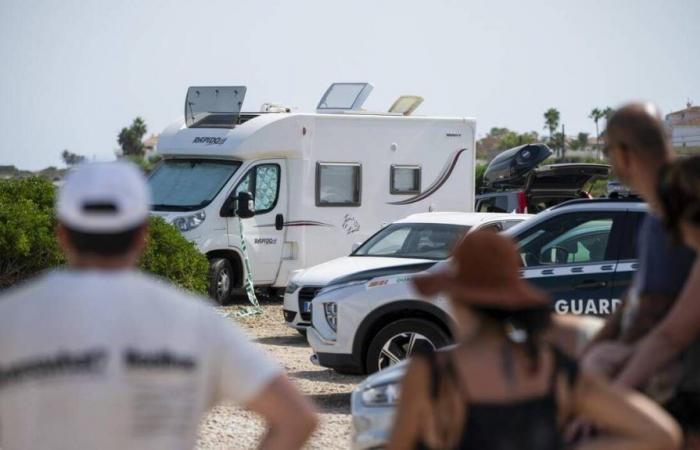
341 97
213 106
406 104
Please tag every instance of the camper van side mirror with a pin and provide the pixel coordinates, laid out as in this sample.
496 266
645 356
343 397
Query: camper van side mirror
229 207
245 207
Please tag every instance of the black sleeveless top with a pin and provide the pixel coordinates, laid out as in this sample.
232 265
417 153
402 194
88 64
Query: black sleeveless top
529 424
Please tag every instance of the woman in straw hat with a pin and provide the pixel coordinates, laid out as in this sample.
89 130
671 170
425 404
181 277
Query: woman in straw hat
502 386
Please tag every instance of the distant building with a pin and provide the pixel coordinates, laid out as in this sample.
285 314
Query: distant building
684 126
151 144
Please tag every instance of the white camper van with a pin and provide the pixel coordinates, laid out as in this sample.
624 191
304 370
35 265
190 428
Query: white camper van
320 182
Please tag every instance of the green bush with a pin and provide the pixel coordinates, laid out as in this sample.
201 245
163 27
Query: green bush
27 241
28 244
171 256
479 177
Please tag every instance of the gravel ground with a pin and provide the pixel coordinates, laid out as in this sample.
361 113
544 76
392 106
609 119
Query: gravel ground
228 427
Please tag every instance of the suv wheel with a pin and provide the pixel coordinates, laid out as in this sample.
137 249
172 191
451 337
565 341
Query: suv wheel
399 340
221 280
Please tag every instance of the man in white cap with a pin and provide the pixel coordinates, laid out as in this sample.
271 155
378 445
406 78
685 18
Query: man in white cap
102 356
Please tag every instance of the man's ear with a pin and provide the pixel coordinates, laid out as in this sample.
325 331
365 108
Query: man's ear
140 240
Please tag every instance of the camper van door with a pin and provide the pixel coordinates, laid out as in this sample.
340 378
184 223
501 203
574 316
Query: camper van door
265 232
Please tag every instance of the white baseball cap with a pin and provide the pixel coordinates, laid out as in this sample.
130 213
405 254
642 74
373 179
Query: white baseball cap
103 198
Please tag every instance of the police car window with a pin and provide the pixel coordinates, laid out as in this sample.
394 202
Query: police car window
263 182
425 241
568 239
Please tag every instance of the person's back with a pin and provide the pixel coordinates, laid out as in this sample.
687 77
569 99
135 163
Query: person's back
522 407
102 356
115 360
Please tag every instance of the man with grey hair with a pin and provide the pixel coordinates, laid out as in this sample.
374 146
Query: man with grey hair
101 356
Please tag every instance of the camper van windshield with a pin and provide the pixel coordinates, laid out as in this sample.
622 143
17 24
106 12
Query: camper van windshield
185 185
413 240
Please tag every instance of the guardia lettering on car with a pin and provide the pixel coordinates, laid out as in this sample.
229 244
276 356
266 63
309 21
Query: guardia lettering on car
591 306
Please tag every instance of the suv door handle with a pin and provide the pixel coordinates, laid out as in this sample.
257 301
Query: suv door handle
591 284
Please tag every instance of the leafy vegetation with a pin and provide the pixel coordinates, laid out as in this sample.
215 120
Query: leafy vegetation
27 223
170 255
130 138
28 244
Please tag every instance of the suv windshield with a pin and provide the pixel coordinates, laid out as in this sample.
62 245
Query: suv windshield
413 240
187 184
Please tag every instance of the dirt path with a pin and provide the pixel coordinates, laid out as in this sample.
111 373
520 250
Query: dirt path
232 428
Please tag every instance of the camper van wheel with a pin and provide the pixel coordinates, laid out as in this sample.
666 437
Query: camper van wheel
221 280
400 339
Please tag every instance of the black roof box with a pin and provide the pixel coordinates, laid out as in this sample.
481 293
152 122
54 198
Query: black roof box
510 167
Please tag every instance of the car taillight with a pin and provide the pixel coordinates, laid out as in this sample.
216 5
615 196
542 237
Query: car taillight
522 203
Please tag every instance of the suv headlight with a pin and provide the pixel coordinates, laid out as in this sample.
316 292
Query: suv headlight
187 223
330 309
291 288
382 395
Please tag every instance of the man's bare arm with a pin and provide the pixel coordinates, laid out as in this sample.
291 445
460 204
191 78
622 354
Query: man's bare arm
673 335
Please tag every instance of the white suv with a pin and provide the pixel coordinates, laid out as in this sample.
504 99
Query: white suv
407 245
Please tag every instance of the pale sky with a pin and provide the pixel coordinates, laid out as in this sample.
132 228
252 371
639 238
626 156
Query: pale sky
75 72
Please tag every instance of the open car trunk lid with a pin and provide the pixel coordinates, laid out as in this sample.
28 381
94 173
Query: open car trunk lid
565 177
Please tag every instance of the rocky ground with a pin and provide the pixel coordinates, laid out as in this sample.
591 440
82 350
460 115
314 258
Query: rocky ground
229 427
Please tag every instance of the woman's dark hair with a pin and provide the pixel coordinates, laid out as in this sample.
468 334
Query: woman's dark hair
679 193
522 327
111 244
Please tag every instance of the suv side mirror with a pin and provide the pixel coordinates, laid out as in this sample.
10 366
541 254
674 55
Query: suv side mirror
245 206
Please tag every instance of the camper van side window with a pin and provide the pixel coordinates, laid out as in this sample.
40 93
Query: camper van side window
263 181
404 179
338 184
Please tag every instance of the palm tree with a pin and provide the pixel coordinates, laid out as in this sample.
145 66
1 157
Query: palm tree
551 122
597 114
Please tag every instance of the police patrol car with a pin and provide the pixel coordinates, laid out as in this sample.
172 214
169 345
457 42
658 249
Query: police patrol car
413 243
583 252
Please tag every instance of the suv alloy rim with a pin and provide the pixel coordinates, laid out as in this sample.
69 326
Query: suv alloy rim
402 346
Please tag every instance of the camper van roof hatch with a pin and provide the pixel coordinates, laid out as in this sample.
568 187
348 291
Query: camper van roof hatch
344 97
406 104
213 106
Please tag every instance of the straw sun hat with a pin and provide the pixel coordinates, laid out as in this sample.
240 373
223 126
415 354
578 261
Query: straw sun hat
485 272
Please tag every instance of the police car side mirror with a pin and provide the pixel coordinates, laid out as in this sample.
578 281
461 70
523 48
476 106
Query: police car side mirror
245 207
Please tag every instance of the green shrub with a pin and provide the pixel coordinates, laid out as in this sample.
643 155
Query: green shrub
27 241
479 177
171 256
28 244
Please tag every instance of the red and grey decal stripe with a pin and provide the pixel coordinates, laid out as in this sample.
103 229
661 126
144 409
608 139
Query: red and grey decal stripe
437 184
298 223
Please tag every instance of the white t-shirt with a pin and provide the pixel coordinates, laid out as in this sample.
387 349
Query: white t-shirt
116 360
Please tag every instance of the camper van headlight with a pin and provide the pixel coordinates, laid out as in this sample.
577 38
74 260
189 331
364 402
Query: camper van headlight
187 223
330 309
381 395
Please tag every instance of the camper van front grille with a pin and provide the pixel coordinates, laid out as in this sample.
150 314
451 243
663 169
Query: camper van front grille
306 294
